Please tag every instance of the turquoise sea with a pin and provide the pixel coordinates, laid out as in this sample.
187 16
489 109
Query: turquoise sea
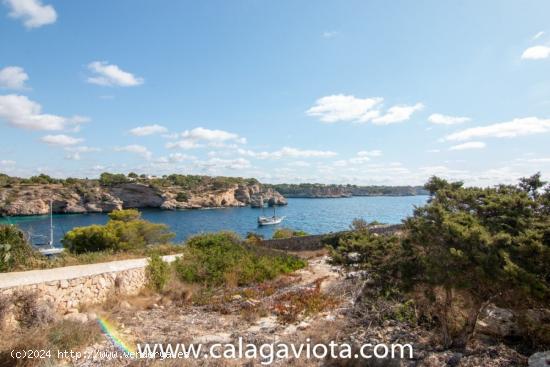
311 215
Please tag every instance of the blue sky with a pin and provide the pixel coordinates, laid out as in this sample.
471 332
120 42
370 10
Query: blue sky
363 92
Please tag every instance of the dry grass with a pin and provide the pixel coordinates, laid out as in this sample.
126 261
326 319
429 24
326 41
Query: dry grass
5 303
29 311
60 336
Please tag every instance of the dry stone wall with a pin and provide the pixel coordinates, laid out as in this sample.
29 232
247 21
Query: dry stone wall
66 289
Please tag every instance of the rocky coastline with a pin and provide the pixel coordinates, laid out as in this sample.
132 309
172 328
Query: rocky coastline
34 199
317 191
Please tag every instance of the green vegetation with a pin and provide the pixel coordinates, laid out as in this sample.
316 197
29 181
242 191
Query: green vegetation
112 179
217 259
124 231
15 251
158 272
182 196
106 179
319 190
288 233
476 244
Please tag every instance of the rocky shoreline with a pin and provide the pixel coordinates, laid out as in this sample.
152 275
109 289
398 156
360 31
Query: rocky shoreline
34 199
318 191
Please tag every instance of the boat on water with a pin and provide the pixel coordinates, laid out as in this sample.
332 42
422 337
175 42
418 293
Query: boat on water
48 249
274 219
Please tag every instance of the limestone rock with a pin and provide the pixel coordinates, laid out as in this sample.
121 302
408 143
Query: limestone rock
76 317
35 199
222 338
496 321
540 359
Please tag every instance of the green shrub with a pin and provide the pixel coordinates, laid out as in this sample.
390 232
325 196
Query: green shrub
124 231
288 233
480 244
112 179
254 238
125 215
222 258
90 239
15 251
182 196
158 272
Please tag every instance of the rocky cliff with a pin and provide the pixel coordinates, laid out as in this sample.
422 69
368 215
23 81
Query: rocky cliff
34 199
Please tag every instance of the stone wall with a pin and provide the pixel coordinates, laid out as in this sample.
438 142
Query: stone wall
315 242
66 289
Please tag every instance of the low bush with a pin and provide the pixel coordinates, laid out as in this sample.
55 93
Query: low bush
124 231
67 335
30 312
288 233
224 259
158 272
126 215
254 238
15 250
291 306
182 196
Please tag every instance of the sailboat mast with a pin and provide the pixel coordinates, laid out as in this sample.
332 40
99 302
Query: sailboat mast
51 223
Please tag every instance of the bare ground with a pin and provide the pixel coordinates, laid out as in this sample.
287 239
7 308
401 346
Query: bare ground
314 305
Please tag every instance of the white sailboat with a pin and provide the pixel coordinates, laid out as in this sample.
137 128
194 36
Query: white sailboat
266 221
48 249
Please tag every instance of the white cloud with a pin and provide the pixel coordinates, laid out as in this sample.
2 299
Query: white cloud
73 156
536 53
178 157
341 107
183 144
437 118
175 158
33 13
538 35
361 157
199 136
61 140
469 145
397 114
136 149
330 34
148 130
288 152
7 162
218 163
83 149
19 111
13 77
75 152
200 133
299 164
369 153
111 75
511 129
296 153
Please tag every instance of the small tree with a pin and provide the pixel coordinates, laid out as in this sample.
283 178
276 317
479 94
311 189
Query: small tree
125 215
158 272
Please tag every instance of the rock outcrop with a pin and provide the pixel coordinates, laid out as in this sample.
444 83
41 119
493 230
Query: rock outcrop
35 199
